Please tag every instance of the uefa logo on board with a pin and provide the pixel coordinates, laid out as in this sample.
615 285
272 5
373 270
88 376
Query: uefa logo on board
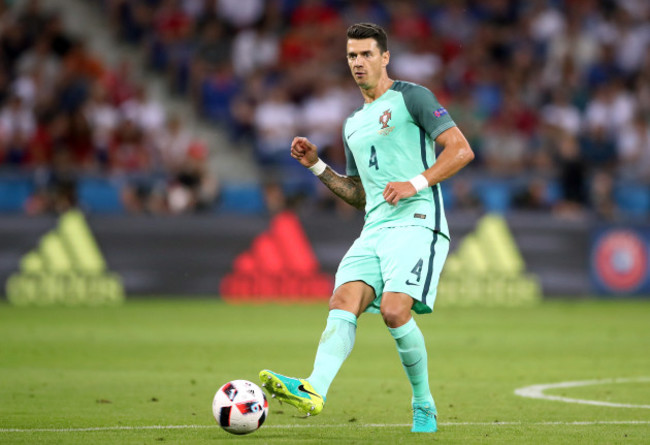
620 260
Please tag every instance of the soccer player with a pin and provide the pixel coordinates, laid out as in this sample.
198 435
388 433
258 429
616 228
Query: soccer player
394 266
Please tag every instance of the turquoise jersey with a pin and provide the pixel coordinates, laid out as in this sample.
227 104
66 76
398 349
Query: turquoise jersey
392 139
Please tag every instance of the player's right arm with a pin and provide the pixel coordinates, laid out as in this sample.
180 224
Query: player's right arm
348 188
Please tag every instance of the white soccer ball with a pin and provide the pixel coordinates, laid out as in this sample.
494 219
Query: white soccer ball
240 407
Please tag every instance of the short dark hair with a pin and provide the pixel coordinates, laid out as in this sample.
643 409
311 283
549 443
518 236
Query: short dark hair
369 31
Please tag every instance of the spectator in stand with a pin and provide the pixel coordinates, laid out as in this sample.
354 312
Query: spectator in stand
611 107
276 121
560 115
419 64
452 22
257 48
60 40
193 188
213 50
217 93
242 107
172 27
360 11
633 150
119 83
32 19
641 86
504 148
14 41
322 113
17 127
40 58
172 52
407 24
575 45
240 14
56 188
632 36
131 162
145 113
597 148
102 118
173 144
572 177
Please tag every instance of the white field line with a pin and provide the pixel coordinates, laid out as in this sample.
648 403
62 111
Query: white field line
537 392
313 425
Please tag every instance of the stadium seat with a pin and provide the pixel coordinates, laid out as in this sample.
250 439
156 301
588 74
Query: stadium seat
633 200
14 192
495 195
100 195
241 198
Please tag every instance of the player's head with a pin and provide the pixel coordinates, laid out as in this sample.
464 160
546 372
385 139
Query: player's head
362 31
367 53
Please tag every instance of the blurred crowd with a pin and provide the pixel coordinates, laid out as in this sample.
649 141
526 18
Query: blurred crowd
553 95
68 120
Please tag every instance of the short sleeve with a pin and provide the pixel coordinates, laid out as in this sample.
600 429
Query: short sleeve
425 109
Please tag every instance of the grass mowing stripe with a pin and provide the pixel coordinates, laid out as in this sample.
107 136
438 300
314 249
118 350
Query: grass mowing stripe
342 425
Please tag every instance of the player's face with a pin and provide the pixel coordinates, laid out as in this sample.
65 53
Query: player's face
366 62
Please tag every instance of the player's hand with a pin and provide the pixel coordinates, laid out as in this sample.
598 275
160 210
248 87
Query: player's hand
395 191
304 151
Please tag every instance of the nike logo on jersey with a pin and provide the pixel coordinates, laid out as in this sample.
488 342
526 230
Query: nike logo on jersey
350 135
412 284
303 389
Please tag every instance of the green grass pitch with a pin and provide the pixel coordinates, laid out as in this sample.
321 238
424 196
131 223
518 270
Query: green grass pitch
146 372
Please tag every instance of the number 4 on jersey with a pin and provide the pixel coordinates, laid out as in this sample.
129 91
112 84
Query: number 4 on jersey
373 158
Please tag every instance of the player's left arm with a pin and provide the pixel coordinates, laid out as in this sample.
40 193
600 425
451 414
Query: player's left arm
456 154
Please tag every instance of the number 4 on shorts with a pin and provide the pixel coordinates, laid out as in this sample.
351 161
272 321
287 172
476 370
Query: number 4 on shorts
417 271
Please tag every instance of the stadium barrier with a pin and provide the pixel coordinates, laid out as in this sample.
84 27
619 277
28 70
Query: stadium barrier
487 269
620 260
279 266
67 268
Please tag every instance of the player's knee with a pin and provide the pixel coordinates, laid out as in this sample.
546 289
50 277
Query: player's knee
352 297
343 301
395 317
395 311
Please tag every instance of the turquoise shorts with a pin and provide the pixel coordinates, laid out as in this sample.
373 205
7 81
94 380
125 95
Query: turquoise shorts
397 259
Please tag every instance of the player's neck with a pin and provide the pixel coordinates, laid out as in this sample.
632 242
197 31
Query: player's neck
371 94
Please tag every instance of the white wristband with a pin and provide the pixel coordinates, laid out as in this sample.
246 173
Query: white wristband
419 182
318 168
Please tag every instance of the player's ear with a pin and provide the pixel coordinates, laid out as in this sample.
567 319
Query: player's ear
385 58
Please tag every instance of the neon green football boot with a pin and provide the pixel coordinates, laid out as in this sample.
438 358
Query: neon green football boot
296 392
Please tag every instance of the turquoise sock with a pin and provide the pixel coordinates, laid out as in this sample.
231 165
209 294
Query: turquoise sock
335 346
413 354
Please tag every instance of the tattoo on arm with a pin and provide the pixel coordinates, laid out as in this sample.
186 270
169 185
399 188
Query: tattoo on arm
348 188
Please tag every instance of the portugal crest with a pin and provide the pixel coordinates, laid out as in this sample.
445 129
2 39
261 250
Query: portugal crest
384 118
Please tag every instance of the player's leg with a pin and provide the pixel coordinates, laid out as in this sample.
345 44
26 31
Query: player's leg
351 296
396 311
336 343
337 340
412 268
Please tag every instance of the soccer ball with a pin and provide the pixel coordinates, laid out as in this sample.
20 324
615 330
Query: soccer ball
240 407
